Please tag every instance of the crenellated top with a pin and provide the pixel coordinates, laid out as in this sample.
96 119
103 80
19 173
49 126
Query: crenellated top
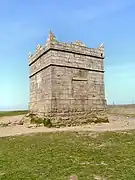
74 47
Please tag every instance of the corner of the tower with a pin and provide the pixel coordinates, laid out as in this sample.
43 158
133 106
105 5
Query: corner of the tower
101 48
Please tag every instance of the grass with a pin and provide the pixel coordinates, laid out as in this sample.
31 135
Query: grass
12 113
58 155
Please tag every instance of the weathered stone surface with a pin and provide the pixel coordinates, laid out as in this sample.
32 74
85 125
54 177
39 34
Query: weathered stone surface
67 82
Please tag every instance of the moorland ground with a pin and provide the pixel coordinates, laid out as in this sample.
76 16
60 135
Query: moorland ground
100 151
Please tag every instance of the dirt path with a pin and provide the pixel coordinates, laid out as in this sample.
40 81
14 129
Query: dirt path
116 123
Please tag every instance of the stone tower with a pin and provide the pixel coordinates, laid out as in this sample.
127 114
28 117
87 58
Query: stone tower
67 82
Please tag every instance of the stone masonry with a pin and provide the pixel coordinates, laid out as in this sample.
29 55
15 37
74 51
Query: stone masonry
67 82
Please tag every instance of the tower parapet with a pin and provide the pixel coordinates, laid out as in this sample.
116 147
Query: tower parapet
73 47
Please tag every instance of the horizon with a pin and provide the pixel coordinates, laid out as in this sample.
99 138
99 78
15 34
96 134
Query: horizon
8 110
26 24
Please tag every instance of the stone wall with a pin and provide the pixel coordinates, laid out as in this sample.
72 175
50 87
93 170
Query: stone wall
40 91
67 82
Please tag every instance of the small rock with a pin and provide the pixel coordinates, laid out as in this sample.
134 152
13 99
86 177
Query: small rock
98 178
40 125
20 123
32 126
73 178
27 115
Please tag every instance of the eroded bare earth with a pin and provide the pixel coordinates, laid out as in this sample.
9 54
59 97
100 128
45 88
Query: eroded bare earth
117 122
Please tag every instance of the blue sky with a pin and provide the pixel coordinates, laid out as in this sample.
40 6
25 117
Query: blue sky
24 24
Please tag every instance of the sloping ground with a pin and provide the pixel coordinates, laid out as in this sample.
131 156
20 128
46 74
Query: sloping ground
116 123
84 152
57 156
120 118
13 119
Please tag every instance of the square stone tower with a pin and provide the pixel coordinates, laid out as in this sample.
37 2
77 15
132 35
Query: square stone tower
67 82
